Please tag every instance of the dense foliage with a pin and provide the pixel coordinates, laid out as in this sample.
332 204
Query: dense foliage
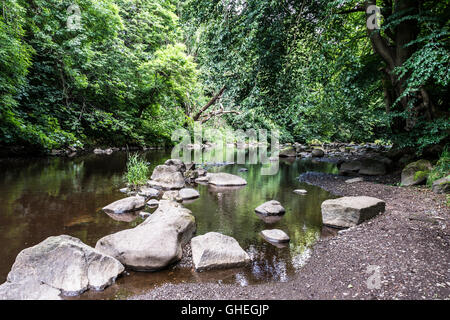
135 70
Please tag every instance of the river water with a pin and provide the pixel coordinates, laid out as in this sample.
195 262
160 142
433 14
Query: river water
52 196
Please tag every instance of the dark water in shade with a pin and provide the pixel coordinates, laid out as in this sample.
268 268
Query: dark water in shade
46 197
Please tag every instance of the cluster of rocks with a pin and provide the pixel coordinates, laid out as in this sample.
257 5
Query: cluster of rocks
271 212
64 265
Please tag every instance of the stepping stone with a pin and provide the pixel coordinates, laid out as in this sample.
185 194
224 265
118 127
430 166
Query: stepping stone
271 208
189 193
275 235
217 251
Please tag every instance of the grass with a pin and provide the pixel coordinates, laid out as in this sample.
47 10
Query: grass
441 169
137 171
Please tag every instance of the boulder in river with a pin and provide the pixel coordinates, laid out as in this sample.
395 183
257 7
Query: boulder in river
300 191
189 193
225 179
153 203
416 172
442 185
347 212
63 263
130 204
288 152
271 208
317 153
177 163
167 177
217 251
275 235
155 243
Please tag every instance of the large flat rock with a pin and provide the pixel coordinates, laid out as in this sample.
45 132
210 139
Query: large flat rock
63 263
155 243
350 211
217 251
225 179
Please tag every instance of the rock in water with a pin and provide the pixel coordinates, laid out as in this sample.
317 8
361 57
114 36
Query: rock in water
275 235
167 177
271 208
189 193
173 195
300 191
28 290
181 167
416 172
148 193
153 203
64 263
217 251
349 211
125 205
317 153
155 243
225 179
442 185
288 152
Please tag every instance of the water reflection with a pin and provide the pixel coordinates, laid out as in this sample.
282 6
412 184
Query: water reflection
44 197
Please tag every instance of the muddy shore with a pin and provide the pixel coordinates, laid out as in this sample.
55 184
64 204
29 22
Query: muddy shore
409 245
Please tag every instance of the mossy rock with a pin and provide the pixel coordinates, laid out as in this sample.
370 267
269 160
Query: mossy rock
416 172
442 185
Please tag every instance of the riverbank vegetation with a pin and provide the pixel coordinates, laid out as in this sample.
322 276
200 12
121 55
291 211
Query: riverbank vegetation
129 72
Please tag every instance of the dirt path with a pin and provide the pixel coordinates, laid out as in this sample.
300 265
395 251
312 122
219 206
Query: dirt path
409 244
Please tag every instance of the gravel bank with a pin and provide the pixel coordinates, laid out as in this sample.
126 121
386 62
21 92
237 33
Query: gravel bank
409 244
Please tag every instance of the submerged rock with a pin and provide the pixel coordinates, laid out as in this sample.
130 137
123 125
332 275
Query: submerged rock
125 205
275 235
347 212
217 251
270 208
64 263
369 167
155 243
416 172
225 179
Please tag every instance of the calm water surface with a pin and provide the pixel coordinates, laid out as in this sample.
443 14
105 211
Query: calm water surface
52 196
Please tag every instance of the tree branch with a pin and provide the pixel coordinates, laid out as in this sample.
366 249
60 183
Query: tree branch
209 104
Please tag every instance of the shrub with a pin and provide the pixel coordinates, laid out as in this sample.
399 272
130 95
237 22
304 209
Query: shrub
442 167
137 171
